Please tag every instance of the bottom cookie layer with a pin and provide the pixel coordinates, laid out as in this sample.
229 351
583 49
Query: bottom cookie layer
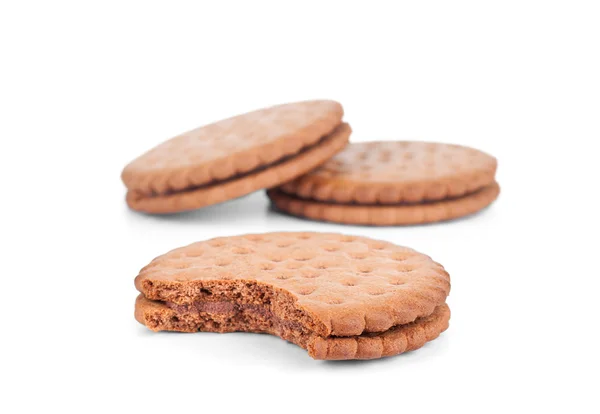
386 215
229 317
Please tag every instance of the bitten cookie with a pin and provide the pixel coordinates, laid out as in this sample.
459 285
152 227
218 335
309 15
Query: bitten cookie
393 183
235 156
339 297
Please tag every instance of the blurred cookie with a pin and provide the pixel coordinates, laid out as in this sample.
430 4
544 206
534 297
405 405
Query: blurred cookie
393 183
235 156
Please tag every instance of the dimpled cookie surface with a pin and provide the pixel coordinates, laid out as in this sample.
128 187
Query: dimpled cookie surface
352 284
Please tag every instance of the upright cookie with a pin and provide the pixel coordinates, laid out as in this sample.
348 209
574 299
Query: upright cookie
235 156
339 297
393 183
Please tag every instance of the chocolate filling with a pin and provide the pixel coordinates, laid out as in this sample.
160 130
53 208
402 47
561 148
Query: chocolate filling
222 303
235 310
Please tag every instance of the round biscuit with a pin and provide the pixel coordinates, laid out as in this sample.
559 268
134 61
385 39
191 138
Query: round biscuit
351 284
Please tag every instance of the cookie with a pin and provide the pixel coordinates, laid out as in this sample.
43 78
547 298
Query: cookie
393 183
235 156
339 297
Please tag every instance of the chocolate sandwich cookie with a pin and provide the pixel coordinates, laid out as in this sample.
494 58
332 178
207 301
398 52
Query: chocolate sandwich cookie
393 183
235 156
339 297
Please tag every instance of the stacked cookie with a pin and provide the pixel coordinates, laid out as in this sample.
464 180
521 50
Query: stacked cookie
339 297
391 183
236 156
292 149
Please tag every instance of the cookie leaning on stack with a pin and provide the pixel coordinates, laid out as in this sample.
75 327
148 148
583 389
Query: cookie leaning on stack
339 297
235 156
393 183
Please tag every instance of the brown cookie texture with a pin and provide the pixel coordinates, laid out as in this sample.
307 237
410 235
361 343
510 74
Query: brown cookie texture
268 177
186 172
378 284
386 215
392 172
313 289
397 340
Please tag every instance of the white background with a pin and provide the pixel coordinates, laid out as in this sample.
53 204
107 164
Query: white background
84 89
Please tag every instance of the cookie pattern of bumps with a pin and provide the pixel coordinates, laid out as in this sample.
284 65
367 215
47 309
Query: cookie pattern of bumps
231 147
392 172
349 285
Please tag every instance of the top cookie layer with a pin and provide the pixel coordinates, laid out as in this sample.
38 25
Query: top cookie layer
351 284
391 172
232 146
